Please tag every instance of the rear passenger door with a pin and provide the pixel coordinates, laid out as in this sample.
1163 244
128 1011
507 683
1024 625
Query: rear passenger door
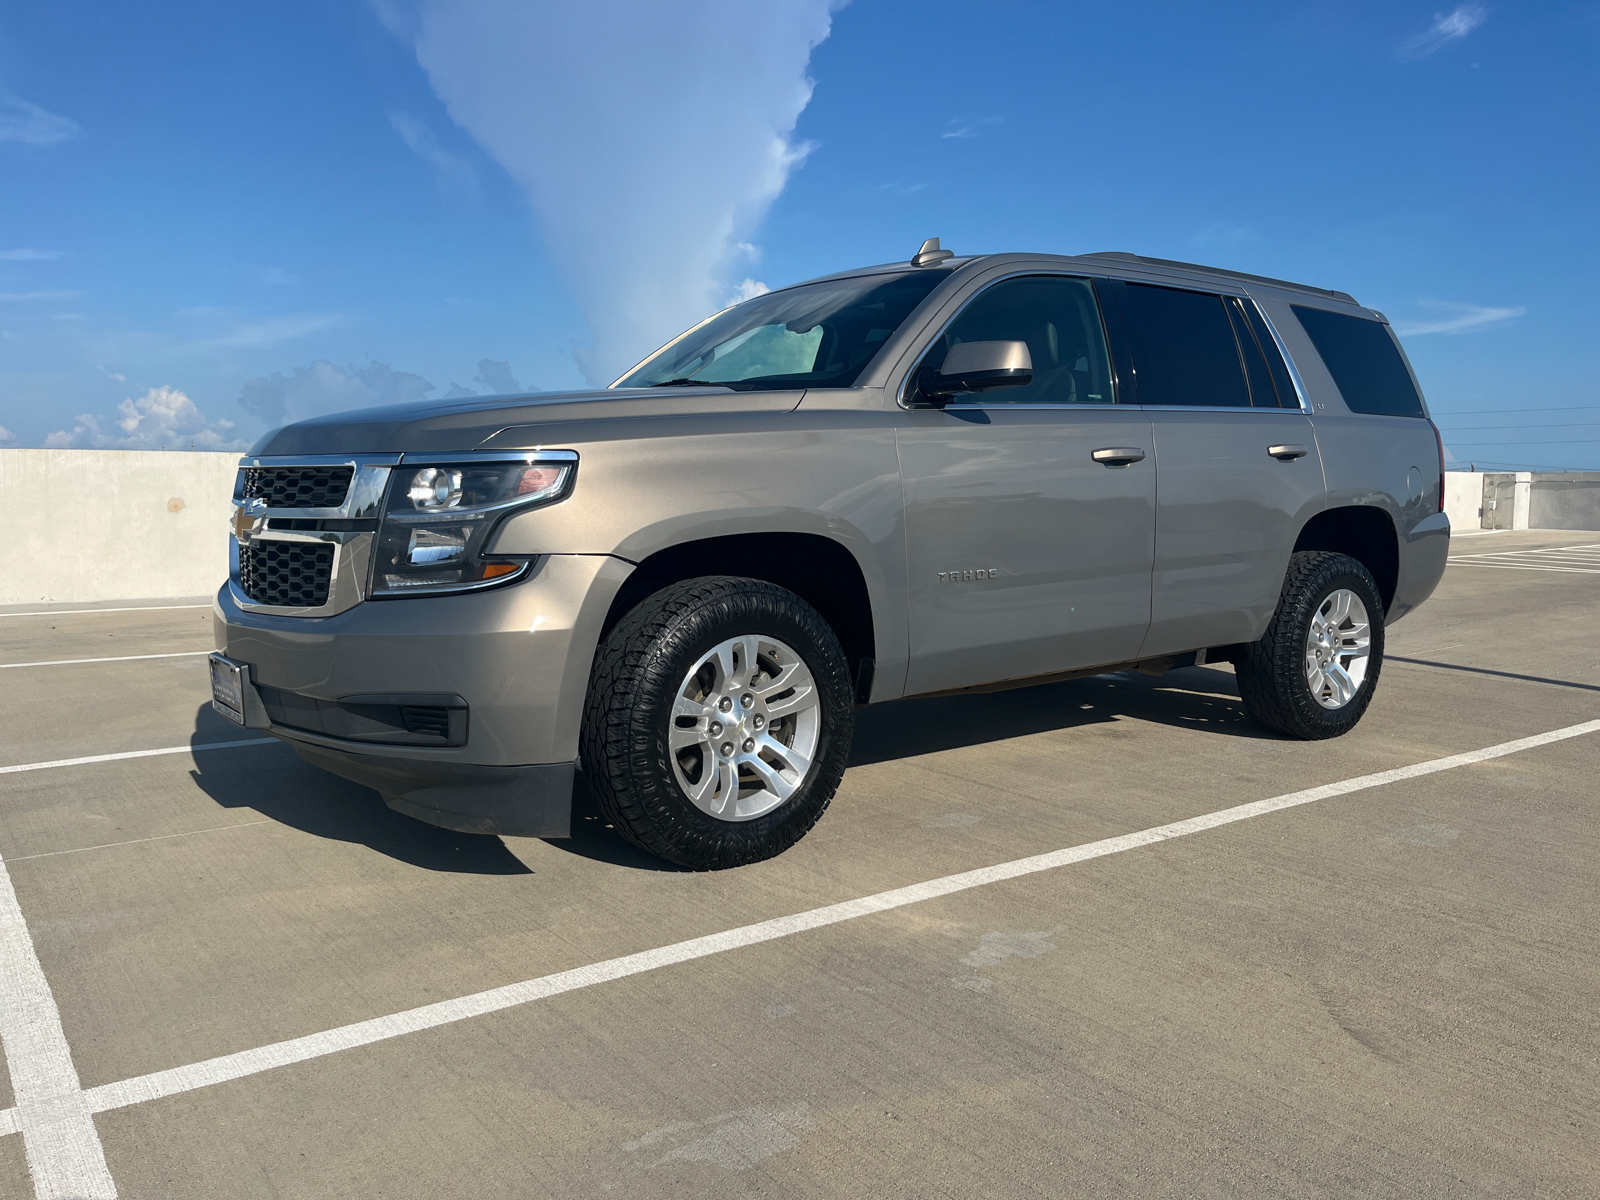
1238 473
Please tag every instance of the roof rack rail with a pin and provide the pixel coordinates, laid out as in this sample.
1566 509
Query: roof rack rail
1124 256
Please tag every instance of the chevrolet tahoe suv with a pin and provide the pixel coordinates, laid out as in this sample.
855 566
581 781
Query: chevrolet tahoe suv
953 474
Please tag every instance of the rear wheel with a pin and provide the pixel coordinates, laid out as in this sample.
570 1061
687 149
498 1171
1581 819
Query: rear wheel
1312 674
718 722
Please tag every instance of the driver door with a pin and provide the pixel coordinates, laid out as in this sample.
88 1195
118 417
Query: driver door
1026 555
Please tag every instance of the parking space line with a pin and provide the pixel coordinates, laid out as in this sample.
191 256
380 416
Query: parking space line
59 1139
70 662
160 837
69 612
100 758
224 1068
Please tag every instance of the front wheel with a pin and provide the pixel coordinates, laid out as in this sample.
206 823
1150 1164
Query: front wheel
718 722
1312 674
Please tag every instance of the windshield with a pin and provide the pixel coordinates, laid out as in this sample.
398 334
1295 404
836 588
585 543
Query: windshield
818 335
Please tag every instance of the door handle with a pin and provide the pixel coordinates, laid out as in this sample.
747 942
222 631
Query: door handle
1118 456
1286 453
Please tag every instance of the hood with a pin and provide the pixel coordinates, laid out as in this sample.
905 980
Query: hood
438 426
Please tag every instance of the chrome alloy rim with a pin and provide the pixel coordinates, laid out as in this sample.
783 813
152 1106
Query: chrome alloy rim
1338 648
745 725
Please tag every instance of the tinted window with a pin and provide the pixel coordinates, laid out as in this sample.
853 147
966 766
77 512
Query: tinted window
815 335
1057 317
1262 393
1364 361
1184 349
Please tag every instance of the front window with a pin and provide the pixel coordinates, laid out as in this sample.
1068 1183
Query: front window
818 335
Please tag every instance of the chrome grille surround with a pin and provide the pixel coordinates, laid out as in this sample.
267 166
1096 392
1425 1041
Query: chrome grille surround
271 567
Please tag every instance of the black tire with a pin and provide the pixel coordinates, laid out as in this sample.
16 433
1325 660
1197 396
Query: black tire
1272 671
624 742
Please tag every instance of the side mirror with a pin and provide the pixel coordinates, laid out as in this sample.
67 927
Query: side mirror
979 367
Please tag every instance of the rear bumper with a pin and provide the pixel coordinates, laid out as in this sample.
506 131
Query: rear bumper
1423 554
517 658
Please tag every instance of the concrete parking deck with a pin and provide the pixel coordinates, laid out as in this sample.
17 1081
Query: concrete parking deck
1388 990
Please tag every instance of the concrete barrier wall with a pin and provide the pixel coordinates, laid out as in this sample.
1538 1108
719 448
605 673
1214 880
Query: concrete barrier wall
84 525
1570 501
1463 500
90 525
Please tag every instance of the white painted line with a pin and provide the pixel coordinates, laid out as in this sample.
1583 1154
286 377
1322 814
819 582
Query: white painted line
212 1071
71 662
1532 567
100 758
160 837
52 1112
70 612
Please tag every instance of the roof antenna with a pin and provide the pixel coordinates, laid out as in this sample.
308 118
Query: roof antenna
930 254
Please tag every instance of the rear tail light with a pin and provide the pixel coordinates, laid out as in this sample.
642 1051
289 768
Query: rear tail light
1439 441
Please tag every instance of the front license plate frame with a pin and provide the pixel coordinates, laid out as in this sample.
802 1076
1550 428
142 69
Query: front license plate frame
227 687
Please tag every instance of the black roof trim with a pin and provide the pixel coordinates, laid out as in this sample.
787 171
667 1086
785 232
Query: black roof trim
1124 256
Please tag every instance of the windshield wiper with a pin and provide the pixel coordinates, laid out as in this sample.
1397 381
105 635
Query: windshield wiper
685 381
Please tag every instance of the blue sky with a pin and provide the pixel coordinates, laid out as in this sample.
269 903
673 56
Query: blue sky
231 213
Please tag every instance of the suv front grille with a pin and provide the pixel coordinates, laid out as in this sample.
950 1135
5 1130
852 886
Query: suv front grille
289 574
298 487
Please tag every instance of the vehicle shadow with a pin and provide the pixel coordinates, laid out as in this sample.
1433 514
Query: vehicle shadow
294 793
1192 698
593 836
1200 698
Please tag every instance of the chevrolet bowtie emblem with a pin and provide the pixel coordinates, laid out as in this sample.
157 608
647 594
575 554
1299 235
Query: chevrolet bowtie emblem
248 518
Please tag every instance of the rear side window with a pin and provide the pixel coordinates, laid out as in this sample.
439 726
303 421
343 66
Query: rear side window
1185 352
1361 356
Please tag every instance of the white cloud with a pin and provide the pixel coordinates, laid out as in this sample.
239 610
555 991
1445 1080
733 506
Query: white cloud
650 138
747 290
23 122
497 377
6 436
455 173
1447 28
967 127
28 255
324 387
38 295
1456 318
270 331
161 419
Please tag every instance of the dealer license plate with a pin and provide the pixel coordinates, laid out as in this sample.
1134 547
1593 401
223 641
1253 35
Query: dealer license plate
227 688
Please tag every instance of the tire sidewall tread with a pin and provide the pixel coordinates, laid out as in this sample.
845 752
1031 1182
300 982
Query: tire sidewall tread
1271 674
637 670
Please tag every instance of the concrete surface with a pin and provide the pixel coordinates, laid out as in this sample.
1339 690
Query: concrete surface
1388 993
84 525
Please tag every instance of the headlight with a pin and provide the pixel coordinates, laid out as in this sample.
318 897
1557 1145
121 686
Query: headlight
438 519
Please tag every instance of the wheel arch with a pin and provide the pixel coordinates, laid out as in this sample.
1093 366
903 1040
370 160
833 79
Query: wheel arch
1367 534
821 571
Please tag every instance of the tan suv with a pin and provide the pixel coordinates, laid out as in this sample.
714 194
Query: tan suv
913 479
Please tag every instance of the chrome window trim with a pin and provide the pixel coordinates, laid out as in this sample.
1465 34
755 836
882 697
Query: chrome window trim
1288 359
900 392
1002 406
1233 408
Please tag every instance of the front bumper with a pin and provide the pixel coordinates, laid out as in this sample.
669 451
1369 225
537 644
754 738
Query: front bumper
517 656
